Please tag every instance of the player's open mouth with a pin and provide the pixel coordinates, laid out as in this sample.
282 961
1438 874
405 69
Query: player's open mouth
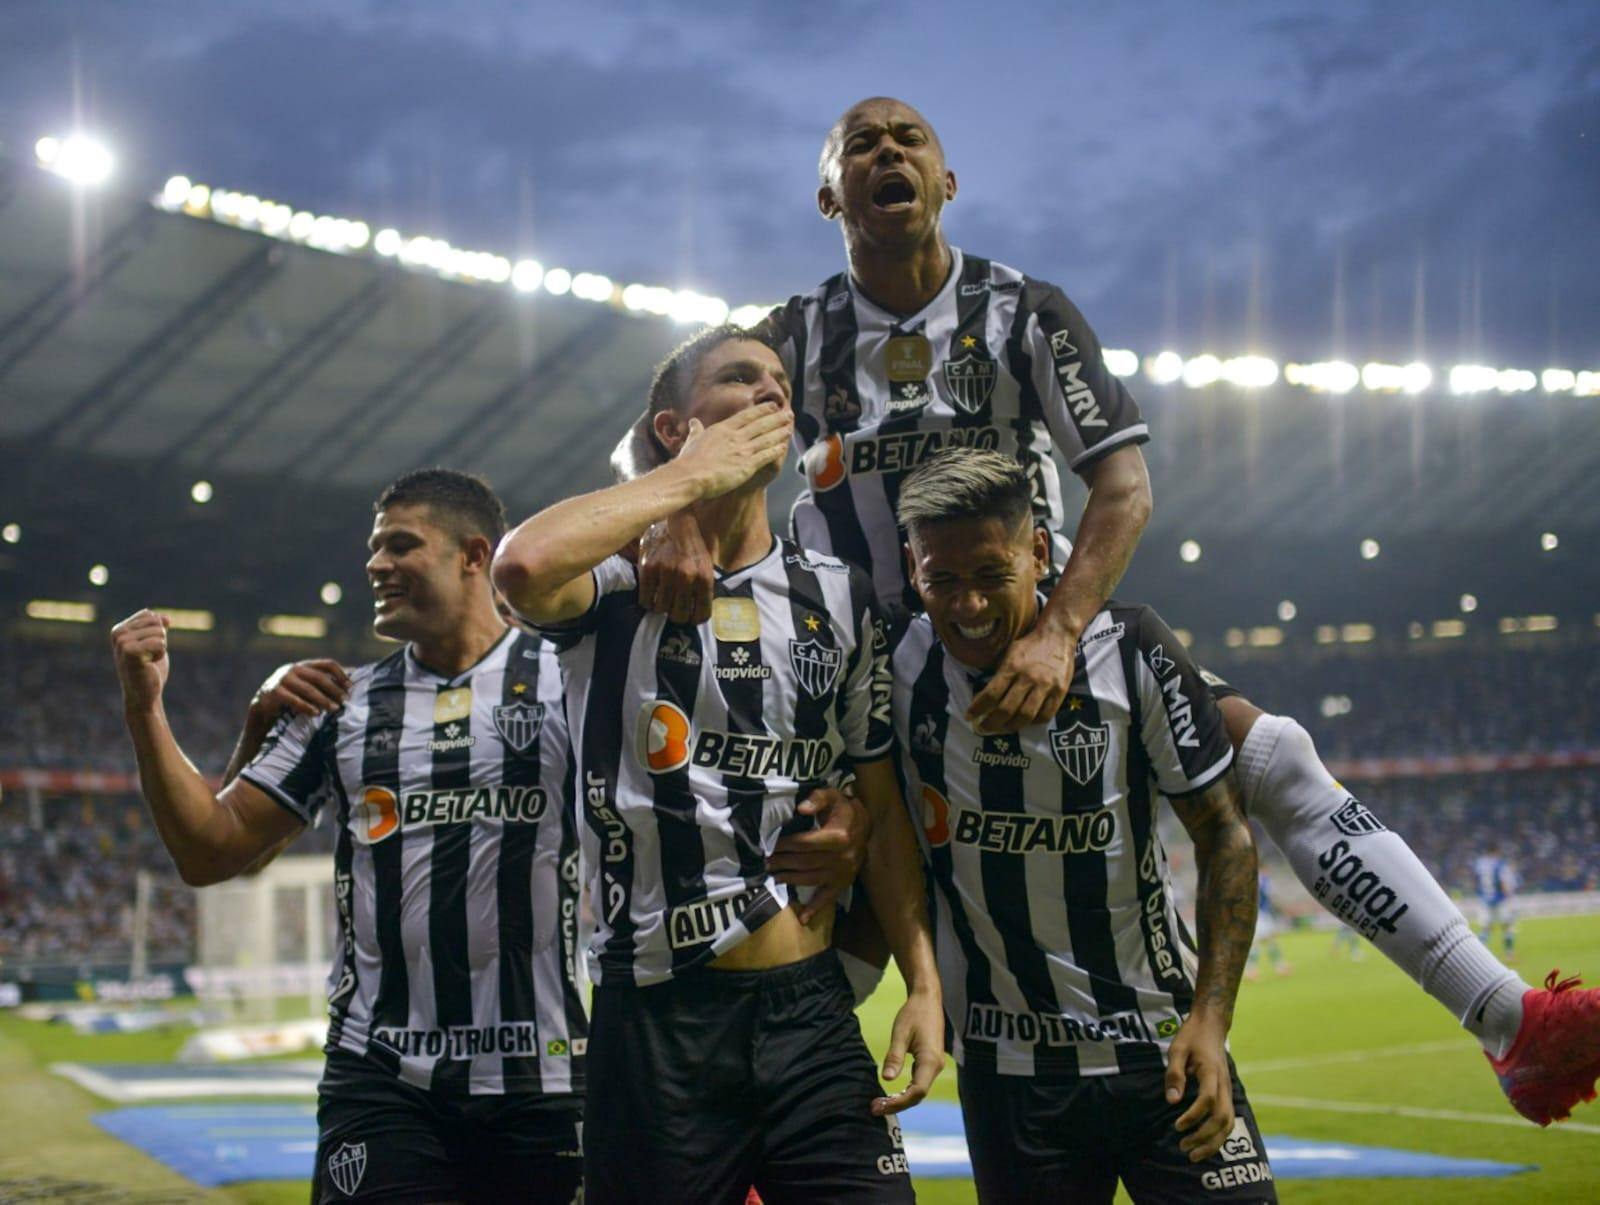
982 632
894 193
383 595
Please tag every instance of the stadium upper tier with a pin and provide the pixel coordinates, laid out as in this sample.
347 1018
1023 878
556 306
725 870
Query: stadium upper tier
144 351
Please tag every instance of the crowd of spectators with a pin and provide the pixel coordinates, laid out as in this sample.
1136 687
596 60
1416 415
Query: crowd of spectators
66 882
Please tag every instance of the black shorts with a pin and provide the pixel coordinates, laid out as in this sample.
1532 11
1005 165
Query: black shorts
1048 1140
706 1085
379 1139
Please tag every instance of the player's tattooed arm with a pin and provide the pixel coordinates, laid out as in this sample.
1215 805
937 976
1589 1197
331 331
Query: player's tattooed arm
542 567
1225 856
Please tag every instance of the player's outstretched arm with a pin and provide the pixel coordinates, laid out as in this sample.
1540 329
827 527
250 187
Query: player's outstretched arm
1033 679
895 886
543 565
210 837
1225 912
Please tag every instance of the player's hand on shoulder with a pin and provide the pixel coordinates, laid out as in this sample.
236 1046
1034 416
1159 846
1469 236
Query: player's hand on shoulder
139 648
1199 1052
828 857
729 453
308 688
1030 685
676 576
918 1031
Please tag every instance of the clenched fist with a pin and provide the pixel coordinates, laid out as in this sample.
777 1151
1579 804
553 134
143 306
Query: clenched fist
139 647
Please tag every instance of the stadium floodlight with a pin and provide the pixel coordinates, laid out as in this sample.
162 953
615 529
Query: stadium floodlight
748 315
199 200
1325 376
331 594
557 281
689 306
1515 380
1382 378
1335 705
1473 378
201 492
591 286
1370 549
77 158
1164 367
1449 629
1265 636
11 533
1558 380
356 235
1327 633
1233 638
1202 370
301 225
99 575
387 242
57 611
1250 372
182 619
1415 377
1287 611
1119 362
527 276
1189 551
1547 542
1357 633
1415 631
291 627
176 192
1468 603
1587 384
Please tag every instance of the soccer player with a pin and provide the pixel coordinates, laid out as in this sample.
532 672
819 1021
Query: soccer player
725 1049
1267 926
1092 1044
1496 880
918 346
457 1023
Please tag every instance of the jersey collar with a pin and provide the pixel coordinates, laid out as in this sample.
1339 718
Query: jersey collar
738 575
428 671
921 316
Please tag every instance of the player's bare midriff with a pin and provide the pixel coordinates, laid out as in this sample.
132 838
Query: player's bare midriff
779 942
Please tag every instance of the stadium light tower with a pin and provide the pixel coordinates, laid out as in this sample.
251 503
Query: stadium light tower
77 157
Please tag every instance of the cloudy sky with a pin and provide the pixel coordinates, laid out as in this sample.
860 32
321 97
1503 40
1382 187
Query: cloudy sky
1302 179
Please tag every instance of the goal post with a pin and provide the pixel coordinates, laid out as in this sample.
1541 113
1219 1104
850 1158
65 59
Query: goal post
266 936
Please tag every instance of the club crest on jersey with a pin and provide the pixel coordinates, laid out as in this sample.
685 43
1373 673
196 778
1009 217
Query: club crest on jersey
519 723
971 381
347 1165
815 665
1080 751
663 737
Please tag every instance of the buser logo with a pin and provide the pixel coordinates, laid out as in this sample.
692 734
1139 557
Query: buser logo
663 737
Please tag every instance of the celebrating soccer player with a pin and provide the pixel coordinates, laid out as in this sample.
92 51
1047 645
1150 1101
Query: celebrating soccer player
916 347
457 1028
1091 1043
725 1049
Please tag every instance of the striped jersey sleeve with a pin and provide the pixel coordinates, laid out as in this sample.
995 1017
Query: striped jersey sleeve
293 765
864 702
1181 727
1087 408
613 576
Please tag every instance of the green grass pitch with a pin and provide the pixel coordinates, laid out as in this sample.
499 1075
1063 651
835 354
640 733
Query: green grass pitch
1336 1051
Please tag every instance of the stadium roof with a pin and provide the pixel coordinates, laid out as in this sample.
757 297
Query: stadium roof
142 350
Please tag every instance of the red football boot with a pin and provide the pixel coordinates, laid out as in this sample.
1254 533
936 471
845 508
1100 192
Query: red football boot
1555 1060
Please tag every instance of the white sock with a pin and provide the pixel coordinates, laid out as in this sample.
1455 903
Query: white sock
1369 878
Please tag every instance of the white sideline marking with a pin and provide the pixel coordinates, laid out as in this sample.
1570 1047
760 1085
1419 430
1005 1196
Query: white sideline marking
1356 1056
1352 1106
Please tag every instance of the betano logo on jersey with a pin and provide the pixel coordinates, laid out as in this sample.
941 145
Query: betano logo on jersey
379 813
1022 833
828 462
666 741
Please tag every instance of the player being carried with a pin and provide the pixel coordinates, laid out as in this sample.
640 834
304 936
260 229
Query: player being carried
724 1047
1091 1041
918 346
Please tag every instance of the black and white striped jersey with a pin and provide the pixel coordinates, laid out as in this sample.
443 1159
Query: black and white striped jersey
456 869
694 744
997 360
1059 945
